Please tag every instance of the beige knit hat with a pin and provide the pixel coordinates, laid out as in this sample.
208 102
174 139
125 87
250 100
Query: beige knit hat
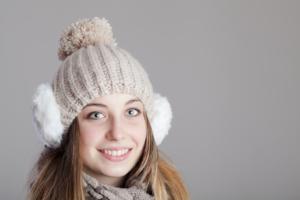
93 65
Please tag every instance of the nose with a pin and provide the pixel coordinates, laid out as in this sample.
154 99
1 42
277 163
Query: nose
115 132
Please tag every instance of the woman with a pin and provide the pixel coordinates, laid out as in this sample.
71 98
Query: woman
100 123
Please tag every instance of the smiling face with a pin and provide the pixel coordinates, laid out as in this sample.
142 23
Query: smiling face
112 136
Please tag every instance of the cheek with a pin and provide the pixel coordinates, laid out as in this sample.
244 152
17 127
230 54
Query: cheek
138 133
89 135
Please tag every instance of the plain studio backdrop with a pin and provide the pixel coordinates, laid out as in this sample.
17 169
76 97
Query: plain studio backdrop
230 69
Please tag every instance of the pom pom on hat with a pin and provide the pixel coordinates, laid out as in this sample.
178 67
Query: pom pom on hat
85 32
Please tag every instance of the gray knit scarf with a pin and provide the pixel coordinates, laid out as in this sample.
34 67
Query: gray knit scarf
98 191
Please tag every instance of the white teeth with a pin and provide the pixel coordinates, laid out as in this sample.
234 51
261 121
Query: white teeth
116 152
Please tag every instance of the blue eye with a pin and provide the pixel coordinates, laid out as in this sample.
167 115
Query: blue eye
96 114
134 111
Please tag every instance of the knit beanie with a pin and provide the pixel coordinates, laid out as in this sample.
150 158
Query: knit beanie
93 65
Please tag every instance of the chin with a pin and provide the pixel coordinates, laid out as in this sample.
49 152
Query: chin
115 171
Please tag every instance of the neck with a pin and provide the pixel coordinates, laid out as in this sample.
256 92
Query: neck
107 180
98 190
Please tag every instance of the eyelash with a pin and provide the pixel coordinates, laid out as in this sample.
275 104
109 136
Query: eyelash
138 113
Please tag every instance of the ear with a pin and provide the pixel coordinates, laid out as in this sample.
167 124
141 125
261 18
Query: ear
161 118
46 116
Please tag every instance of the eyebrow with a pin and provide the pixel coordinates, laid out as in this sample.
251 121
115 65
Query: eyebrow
103 105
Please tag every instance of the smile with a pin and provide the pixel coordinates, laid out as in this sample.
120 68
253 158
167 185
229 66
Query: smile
115 154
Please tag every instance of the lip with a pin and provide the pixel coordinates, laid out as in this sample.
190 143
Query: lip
115 158
115 148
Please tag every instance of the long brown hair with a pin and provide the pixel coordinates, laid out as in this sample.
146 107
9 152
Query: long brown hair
57 173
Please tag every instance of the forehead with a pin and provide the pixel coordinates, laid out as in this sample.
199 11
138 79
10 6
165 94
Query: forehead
115 99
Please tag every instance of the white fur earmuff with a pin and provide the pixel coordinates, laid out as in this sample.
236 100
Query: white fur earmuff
161 119
46 116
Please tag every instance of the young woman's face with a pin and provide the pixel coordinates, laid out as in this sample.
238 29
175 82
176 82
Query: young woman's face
112 136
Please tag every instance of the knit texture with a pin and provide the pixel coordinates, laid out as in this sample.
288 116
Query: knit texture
98 70
95 190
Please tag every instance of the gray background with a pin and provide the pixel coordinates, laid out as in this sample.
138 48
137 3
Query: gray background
229 68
